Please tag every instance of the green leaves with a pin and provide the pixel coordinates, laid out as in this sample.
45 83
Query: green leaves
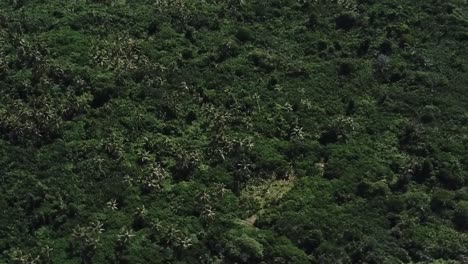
240 131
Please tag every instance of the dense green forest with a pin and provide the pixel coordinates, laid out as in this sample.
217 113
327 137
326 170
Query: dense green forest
233 131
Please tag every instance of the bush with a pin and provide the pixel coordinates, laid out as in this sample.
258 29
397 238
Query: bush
154 27
345 21
283 251
263 60
333 170
187 54
329 136
442 200
395 204
374 189
418 203
227 50
345 68
386 47
363 48
311 240
460 216
244 247
450 179
429 113
312 22
322 45
424 171
244 34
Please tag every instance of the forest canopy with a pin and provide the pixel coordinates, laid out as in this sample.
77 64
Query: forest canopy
233 131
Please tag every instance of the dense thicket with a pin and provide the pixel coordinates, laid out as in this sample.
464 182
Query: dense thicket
238 131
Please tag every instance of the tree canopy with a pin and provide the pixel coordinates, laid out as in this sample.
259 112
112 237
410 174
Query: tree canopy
236 131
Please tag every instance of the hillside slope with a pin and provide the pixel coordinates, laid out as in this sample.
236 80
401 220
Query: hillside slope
238 131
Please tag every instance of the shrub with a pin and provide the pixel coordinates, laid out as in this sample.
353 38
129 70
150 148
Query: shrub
369 190
395 204
429 113
450 179
345 21
263 60
424 171
199 20
418 203
350 107
154 27
187 54
312 22
288 253
244 34
363 48
329 137
311 240
227 50
333 170
386 47
244 247
441 200
322 45
345 68
460 216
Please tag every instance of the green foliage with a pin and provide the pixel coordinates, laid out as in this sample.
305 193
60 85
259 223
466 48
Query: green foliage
345 21
239 131
244 34
460 217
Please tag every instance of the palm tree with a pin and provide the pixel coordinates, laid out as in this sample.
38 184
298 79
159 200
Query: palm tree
256 97
154 178
221 189
123 240
172 236
17 256
140 217
297 133
186 242
85 240
144 156
204 197
157 226
46 253
124 236
208 214
112 204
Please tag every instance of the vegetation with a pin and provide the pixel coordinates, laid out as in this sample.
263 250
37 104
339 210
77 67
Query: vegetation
237 131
